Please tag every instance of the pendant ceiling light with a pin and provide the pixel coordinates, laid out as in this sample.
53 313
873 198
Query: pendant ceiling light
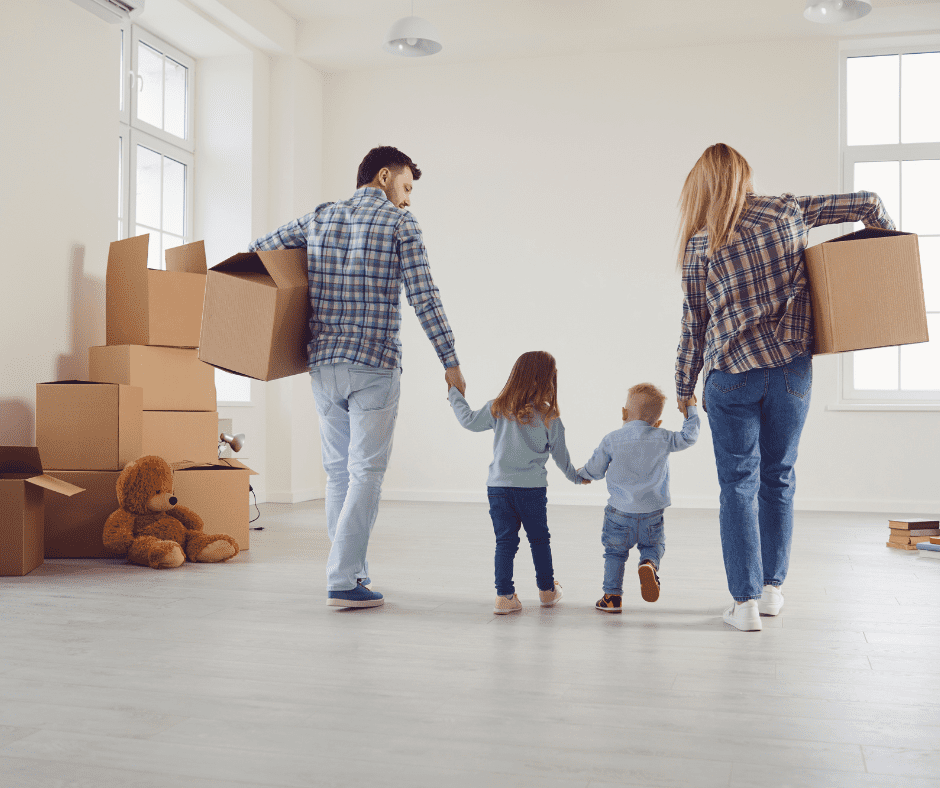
413 37
836 10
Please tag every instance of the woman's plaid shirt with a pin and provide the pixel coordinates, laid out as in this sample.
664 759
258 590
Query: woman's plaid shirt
359 254
747 306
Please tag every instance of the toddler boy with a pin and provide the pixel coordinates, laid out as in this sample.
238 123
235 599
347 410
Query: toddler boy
635 460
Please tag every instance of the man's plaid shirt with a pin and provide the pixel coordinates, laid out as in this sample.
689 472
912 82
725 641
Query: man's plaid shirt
748 305
359 253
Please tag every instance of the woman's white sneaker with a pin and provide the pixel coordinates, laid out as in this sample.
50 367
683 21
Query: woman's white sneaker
771 600
743 616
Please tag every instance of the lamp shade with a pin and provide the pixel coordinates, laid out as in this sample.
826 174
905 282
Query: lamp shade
413 37
836 10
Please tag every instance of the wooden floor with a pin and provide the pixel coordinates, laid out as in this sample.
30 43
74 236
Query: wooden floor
219 676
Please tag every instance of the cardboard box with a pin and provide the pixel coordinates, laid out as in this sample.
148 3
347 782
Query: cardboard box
150 307
88 426
172 378
218 493
256 319
22 482
75 526
181 436
866 291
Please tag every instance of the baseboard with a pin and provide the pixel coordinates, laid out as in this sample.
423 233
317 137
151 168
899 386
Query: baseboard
297 496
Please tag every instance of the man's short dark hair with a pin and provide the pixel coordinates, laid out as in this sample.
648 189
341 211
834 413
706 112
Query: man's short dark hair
383 156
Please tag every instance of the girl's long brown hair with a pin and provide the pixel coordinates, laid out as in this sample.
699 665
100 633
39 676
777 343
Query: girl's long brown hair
713 196
532 387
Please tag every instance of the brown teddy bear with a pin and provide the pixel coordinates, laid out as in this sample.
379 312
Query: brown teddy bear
151 530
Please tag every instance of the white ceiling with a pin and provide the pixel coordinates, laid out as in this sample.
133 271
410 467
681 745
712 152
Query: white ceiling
336 35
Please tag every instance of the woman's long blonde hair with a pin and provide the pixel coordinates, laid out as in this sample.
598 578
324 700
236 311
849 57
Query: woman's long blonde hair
532 386
714 196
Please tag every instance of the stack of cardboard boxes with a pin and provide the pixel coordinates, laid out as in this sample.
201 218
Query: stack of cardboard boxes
147 393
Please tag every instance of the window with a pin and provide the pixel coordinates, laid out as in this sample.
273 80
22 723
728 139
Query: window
891 146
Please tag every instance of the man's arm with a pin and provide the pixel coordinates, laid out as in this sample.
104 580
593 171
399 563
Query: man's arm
292 235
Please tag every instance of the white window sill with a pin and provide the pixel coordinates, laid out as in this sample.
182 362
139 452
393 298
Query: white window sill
913 407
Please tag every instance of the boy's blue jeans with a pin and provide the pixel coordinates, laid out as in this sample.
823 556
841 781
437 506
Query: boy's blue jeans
623 530
756 418
511 507
357 406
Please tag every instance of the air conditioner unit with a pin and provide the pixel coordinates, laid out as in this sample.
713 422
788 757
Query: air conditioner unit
113 11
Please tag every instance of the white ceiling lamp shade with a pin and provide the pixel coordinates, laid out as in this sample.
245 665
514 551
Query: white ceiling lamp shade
413 37
836 10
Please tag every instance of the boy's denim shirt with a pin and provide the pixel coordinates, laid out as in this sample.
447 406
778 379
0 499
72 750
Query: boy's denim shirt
635 460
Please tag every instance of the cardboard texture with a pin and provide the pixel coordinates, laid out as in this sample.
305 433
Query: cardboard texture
150 307
218 493
74 526
181 436
866 291
22 486
171 378
82 425
256 318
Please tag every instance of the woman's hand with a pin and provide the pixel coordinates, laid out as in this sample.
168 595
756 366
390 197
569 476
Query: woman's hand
684 405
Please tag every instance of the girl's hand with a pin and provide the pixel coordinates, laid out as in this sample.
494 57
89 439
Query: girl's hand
585 481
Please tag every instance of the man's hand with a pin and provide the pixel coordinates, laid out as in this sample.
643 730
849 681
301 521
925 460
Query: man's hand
454 377
684 405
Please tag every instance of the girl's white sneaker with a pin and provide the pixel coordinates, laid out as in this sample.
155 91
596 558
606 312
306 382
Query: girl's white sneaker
743 616
771 600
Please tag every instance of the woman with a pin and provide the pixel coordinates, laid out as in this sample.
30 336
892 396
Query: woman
747 326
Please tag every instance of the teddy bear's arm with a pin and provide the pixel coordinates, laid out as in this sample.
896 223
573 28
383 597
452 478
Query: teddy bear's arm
119 532
190 520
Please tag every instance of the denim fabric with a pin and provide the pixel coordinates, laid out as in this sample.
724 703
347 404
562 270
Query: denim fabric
623 530
756 419
511 507
357 406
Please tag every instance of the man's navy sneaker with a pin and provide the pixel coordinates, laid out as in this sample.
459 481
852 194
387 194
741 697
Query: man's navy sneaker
360 596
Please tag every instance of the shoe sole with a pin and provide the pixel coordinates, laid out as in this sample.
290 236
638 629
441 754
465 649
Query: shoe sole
609 609
768 610
756 627
649 588
504 612
355 603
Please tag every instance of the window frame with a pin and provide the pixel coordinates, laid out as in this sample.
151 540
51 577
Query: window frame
849 397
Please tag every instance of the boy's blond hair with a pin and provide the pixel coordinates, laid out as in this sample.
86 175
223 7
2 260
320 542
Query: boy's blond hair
645 401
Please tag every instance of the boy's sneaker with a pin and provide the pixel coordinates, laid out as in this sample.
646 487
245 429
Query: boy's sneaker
610 603
743 616
549 598
770 602
360 596
507 604
649 581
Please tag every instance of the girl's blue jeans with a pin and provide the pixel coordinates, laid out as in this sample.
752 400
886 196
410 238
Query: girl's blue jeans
510 508
756 418
623 530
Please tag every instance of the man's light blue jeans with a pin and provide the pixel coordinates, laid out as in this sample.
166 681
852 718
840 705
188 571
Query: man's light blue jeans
357 406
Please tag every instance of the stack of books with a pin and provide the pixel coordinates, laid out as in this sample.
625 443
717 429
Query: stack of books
906 534
929 549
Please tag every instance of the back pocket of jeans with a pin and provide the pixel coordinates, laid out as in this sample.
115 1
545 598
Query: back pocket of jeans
799 377
727 381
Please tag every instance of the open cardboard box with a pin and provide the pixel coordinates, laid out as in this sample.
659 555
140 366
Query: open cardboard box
22 514
218 493
256 317
82 425
150 307
866 291
75 526
172 378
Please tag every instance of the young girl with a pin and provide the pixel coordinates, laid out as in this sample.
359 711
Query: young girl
526 421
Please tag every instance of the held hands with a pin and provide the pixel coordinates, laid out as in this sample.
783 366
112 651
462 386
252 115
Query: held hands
454 377
585 481
684 405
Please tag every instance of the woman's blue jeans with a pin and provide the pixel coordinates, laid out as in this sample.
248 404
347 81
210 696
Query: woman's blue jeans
510 508
756 418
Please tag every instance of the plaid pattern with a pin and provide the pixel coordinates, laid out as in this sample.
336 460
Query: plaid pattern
359 254
748 305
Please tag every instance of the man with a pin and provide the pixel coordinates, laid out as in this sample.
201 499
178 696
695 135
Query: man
359 254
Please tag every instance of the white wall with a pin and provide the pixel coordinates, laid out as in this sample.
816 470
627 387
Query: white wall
58 197
548 205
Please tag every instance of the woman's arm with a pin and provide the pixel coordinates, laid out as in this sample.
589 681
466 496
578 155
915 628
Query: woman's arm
694 319
862 206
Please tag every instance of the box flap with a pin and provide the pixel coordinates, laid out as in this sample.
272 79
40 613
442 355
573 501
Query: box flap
236 464
126 292
219 465
20 459
868 232
287 267
241 263
56 485
187 259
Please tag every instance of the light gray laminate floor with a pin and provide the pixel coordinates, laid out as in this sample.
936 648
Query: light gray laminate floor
238 674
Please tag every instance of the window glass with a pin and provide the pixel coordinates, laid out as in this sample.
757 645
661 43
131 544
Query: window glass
876 369
920 97
872 100
920 196
149 85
